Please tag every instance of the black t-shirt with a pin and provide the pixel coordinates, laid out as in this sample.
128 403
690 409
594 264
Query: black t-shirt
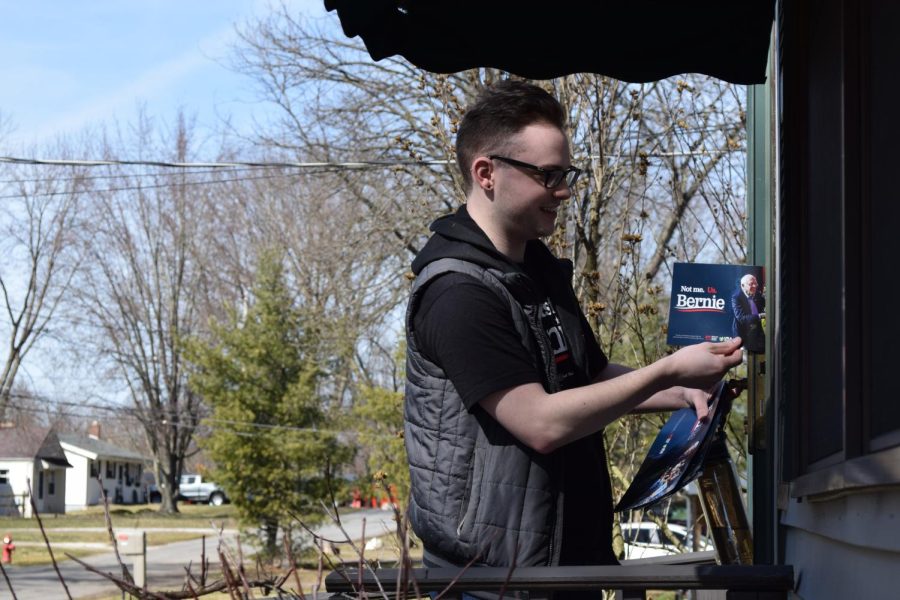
467 329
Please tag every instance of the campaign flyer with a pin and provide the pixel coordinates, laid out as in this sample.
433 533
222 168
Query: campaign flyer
676 456
714 303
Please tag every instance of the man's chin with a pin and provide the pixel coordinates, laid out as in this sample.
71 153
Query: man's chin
547 228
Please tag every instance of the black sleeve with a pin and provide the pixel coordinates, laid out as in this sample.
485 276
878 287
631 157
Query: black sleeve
467 330
596 358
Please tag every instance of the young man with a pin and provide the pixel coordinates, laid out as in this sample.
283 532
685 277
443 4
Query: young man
508 391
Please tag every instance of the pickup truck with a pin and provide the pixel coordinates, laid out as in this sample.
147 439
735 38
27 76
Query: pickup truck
194 489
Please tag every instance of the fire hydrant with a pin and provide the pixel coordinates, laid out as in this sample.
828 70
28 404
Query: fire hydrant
8 548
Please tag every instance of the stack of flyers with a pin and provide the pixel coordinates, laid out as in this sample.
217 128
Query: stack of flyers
676 456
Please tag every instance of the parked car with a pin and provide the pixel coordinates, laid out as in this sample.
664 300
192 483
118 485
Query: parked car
194 489
645 540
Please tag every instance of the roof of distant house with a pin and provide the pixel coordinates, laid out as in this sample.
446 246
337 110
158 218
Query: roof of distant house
100 448
32 443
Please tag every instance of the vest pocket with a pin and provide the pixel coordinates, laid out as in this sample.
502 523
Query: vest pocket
469 505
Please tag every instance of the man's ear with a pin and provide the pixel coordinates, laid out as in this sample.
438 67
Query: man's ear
483 173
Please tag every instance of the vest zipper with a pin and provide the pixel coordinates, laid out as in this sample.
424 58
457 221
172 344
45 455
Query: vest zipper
467 496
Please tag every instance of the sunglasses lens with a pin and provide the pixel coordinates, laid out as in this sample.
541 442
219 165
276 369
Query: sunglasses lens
552 178
555 177
572 177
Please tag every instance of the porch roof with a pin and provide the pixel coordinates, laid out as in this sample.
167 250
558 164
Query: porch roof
637 41
93 448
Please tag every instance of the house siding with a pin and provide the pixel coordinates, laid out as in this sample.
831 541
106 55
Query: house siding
52 498
846 547
118 490
84 489
15 492
49 489
77 488
838 431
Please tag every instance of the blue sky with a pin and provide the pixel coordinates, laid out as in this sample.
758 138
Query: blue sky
68 64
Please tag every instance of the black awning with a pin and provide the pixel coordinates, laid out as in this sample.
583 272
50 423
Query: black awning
51 451
631 40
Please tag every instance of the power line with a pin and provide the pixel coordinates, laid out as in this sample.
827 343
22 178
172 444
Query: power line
215 165
145 186
310 168
327 166
225 165
124 175
205 422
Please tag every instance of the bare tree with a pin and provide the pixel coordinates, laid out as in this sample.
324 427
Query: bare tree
334 104
664 160
665 183
38 213
664 164
385 130
142 287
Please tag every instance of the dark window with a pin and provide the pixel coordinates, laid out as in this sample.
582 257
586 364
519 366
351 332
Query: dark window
4 476
822 282
94 468
840 246
882 219
40 485
110 470
51 483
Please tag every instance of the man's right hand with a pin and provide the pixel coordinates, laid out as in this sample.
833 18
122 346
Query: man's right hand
702 365
543 424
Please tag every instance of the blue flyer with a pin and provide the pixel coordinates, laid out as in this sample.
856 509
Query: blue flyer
714 303
677 454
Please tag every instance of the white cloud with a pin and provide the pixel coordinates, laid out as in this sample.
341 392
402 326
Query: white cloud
52 99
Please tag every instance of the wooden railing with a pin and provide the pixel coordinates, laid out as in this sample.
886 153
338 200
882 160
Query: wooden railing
736 582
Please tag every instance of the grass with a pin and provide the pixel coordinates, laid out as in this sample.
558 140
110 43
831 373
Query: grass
154 538
140 516
26 532
39 555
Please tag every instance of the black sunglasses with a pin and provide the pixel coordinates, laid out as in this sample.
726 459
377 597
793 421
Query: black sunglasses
552 177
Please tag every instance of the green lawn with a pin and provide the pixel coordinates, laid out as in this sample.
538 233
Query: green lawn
31 549
154 538
133 517
38 555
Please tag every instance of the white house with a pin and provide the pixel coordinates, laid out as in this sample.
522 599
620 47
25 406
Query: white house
94 461
31 457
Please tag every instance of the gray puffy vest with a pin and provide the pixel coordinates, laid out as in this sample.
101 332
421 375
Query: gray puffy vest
476 490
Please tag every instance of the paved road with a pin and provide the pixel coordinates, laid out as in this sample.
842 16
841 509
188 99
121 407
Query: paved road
165 568
377 523
165 564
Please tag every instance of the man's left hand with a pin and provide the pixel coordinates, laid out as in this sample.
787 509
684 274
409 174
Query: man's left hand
698 400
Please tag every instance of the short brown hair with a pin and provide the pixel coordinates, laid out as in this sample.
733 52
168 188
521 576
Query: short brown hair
499 112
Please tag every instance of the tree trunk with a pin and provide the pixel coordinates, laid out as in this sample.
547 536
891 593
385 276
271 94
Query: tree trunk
272 537
168 486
